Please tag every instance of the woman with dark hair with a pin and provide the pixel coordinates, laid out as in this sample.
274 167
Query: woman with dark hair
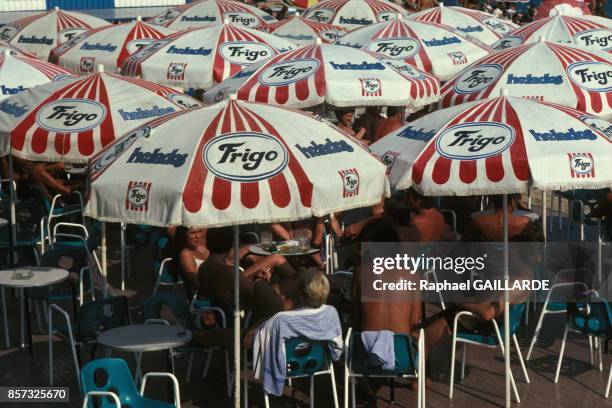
190 253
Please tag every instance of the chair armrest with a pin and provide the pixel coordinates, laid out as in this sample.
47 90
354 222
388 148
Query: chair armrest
101 394
162 265
348 274
71 225
456 320
157 321
177 396
347 349
216 310
62 312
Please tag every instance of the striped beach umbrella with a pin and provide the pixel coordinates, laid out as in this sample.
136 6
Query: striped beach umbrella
38 34
591 32
302 31
431 47
109 46
18 73
549 8
351 14
483 26
206 13
202 57
332 74
72 119
502 144
564 74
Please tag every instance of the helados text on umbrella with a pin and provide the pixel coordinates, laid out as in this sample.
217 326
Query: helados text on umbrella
314 149
13 108
173 49
363 66
98 47
559 136
201 19
157 156
35 40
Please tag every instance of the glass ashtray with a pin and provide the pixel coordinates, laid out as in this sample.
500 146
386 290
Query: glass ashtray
23 274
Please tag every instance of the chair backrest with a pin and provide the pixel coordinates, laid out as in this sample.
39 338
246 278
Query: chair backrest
176 303
70 258
100 315
28 215
18 256
405 357
593 317
109 374
516 313
305 356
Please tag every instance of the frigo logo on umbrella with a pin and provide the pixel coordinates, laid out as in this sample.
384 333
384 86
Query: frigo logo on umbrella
405 69
134 46
8 32
582 165
507 42
116 150
478 78
591 75
474 140
245 156
69 33
395 47
167 16
287 72
496 25
599 38
183 101
244 52
330 35
387 15
240 17
137 196
71 115
322 15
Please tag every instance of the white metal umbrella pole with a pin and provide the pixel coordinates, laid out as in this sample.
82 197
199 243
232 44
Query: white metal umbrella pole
104 264
236 316
544 215
13 199
123 254
506 307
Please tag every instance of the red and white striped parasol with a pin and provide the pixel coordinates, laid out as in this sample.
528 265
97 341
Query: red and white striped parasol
202 57
591 32
14 50
431 47
206 13
564 74
18 73
109 46
40 33
352 14
549 8
483 26
72 119
337 75
303 31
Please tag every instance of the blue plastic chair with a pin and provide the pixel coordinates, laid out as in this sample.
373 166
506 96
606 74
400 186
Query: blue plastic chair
110 379
487 338
307 358
593 318
409 363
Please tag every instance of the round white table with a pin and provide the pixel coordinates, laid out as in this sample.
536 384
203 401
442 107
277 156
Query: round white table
41 276
144 337
139 338
258 250
3 222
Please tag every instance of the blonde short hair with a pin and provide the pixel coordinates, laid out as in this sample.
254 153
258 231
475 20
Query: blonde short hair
314 288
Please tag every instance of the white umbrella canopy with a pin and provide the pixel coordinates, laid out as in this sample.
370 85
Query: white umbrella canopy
478 24
232 163
38 34
302 31
337 75
109 46
431 47
564 74
14 50
206 13
499 145
591 32
352 14
73 119
202 57
19 72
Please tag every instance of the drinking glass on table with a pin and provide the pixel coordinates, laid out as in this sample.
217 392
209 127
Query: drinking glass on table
265 237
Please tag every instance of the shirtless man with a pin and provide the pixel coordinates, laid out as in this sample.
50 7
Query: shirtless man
491 227
427 224
391 123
